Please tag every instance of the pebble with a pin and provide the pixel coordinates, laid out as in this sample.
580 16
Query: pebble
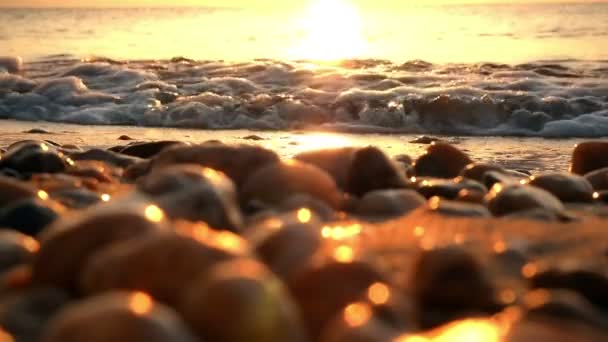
449 283
106 156
161 264
589 156
448 189
148 149
194 193
30 216
591 285
237 162
598 179
477 171
372 170
274 183
510 199
68 243
441 160
35 158
566 187
457 209
322 291
125 137
117 316
241 300
336 162
11 64
388 203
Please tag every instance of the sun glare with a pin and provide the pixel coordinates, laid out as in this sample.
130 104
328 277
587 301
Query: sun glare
333 31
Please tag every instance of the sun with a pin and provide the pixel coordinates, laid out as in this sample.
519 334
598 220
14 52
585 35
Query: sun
333 31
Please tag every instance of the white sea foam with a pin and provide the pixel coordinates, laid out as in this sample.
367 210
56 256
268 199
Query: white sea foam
535 99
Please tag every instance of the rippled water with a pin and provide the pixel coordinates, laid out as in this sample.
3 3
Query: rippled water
417 69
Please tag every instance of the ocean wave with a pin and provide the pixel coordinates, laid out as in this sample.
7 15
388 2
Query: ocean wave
566 98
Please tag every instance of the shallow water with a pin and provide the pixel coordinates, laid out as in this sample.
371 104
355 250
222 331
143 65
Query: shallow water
531 154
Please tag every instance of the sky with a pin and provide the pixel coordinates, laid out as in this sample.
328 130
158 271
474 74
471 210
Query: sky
232 3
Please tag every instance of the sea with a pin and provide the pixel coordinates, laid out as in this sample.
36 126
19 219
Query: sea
531 79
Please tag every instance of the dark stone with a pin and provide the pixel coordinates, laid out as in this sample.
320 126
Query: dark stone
15 249
566 187
591 285
335 161
449 283
372 170
29 216
589 156
109 157
441 161
34 158
148 149
124 137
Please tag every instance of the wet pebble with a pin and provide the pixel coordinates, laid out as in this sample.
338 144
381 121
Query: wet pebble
589 156
66 246
388 203
125 137
445 188
274 183
106 156
161 264
477 171
449 283
566 187
237 162
457 209
286 246
336 162
442 161
30 216
510 199
194 193
148 149
598 179
117 316
589 284
238 301
322 291
35 158
372 170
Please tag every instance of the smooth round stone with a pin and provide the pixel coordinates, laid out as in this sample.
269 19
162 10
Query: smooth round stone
372 170
106 156
237 162
445 188
589 156
117 316
388 203
476 171
77 198
448 283
358 323
239 301
539 214
35 158
149 149
161 264
457 209
589 284
441 160
99 171
336 162
276 182
492 178
321 291
299 201
25 314
60 181
510 199
285 247
12 190
565 306
30 216
598 179
11 64
194 193
67 245
566 187
15 249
